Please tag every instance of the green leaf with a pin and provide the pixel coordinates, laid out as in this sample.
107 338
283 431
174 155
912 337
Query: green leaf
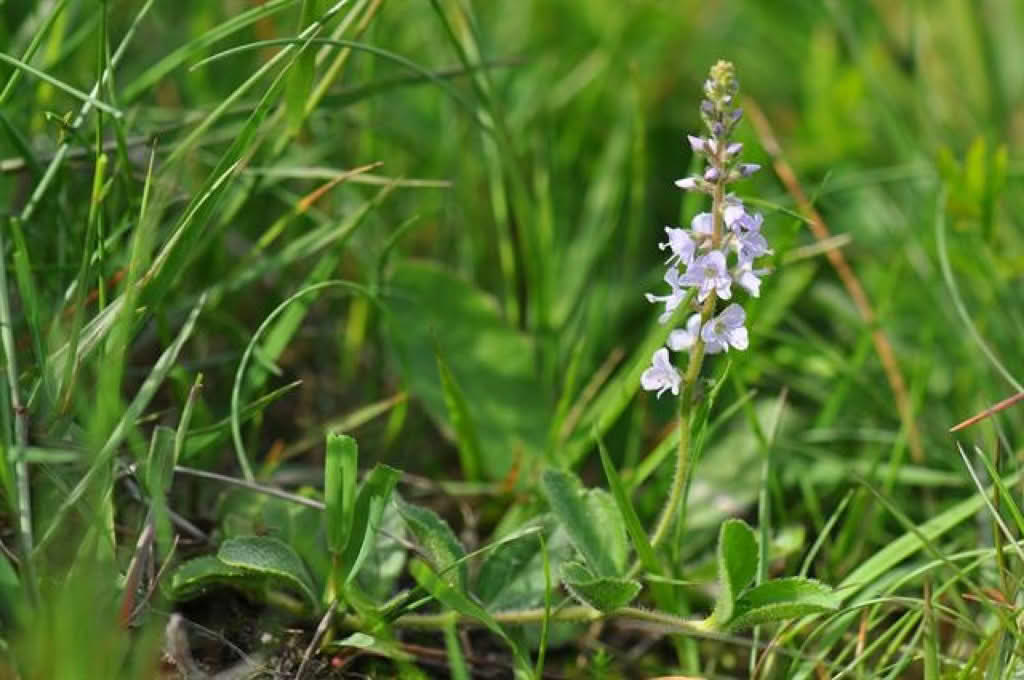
611 528
194 577
458 601
340 470
438 541
780 600
371 501
270 557
512 574
563 493
605 594
384 648
737 564
461 419
10 586
637 534
386 557
493 363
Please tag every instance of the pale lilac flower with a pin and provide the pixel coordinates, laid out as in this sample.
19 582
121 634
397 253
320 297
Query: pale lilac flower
673 299
708 273
681 244
733 149
661 375
687 183
747 169
682 339
702 223
751 222
736 115
698 144
733 213
751 245
711 174
749 278
727 329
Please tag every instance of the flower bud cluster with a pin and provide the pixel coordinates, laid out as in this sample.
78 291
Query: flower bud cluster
719 249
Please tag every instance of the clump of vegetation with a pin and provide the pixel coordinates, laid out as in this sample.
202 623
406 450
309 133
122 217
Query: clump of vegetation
325 351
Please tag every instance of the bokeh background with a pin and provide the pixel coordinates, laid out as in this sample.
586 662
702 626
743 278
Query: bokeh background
523 155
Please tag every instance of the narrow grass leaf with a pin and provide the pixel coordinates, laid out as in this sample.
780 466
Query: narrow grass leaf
124 427
637 534
340 469
459 602
466 437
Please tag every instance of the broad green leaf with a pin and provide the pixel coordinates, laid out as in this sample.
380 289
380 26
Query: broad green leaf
611 528
780 600
340 470
458 601
194 577
386 558
493 363
240 512
512 574
737 564
270 557
604 594
371 501
438 541
563 493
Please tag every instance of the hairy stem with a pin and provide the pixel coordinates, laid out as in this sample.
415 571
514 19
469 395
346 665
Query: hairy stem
680 483
578 613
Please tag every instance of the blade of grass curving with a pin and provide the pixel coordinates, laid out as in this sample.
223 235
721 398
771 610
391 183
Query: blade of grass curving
824 534
21 470
66 379
641 543
441 83
1003 491
89 99
62 151
186 145
954 291
28 293
911 542
301 79
30 50
123 428
234 24
236 390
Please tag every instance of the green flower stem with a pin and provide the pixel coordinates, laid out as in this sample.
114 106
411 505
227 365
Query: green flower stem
680 483
572 613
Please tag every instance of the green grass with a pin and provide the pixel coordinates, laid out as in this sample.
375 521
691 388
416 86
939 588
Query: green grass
229 230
